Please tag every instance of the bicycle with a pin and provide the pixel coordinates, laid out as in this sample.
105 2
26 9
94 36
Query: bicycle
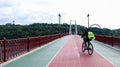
90 49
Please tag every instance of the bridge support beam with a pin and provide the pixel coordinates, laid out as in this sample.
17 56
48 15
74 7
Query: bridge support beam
75 28
70 28
70 31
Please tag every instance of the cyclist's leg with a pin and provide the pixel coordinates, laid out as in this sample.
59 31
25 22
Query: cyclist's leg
85 40
88 42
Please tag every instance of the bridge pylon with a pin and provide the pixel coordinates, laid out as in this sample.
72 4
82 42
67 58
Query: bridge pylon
70 28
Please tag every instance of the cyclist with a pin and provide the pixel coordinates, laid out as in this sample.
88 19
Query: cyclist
88 36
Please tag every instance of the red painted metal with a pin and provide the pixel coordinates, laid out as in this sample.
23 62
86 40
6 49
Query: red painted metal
28 45
113 41
1 51
4 42
14 47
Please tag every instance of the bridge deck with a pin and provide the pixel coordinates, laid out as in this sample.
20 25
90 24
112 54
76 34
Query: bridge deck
66 52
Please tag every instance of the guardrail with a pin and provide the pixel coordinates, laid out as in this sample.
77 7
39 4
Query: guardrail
12 48
110 40
113 41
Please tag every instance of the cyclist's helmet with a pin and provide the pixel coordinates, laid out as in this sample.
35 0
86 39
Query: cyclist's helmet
87 29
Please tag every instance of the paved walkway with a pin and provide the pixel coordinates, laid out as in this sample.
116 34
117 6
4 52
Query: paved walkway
72 56
66 52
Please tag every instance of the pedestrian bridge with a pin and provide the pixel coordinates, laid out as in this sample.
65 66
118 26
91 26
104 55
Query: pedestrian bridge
59 50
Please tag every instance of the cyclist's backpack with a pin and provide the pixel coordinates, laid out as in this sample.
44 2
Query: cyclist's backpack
91 36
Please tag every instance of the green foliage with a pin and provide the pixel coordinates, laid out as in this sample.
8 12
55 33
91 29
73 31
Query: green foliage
106 32
11 31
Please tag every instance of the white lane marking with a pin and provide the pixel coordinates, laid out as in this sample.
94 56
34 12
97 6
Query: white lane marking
103 55
77 48
105 58
55 55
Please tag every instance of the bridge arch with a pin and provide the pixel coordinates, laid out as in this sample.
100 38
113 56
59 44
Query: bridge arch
95 25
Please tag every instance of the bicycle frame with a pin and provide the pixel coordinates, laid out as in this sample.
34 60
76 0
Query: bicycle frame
88 48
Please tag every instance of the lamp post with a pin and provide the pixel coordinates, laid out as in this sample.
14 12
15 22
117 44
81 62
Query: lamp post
59 22
88 19
13 22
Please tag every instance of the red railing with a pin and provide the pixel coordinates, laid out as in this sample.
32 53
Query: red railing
113 41
14 47
110 40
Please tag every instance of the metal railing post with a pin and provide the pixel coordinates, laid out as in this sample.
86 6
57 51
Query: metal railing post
4 43
112 41
28 44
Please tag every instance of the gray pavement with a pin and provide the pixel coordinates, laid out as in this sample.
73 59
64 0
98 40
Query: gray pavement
110 53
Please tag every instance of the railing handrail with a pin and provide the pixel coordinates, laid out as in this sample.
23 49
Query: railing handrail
109 36
111 40
10 48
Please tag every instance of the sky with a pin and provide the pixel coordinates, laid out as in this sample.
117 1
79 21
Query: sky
105 13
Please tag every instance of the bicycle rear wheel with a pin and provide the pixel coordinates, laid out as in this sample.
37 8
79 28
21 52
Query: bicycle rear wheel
90 49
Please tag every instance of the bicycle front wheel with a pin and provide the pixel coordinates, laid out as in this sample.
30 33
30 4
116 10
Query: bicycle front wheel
90 49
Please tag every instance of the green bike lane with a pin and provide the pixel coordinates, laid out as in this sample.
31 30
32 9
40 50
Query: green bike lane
40 57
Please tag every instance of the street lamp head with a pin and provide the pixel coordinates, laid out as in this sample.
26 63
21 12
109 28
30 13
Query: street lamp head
59 15
88 15
13 21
